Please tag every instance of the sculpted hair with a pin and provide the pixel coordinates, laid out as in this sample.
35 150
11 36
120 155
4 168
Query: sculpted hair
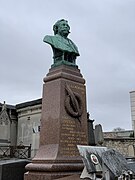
56 25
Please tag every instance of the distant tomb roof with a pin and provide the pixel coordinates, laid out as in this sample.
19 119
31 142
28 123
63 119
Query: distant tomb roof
29 103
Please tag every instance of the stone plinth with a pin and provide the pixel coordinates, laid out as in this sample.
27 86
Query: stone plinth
63 125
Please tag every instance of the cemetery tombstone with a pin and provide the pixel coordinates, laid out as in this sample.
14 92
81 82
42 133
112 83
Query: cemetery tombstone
114 164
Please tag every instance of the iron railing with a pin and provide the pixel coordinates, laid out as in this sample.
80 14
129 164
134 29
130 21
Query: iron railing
20 152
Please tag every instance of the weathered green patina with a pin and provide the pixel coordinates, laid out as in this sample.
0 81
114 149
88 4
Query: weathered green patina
64 50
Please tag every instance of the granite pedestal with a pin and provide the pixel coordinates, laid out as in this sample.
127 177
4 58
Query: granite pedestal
63 125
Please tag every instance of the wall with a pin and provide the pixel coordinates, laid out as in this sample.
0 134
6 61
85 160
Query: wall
29 117
123 145
122 134
132 101
8 125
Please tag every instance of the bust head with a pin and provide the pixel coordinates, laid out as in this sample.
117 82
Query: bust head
62 28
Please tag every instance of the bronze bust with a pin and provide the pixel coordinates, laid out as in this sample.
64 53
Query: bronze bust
64 50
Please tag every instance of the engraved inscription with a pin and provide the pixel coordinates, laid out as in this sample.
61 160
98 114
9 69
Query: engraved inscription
70 138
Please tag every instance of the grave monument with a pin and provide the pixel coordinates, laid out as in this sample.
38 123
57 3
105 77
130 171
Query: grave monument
64 113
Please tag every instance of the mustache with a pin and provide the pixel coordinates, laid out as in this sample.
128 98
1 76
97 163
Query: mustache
66 30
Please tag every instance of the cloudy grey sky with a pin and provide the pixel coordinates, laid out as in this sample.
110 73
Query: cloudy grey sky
104 31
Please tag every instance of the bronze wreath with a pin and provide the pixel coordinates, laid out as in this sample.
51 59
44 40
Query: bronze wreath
73 103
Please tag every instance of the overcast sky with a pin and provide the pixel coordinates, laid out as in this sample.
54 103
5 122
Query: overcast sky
103 30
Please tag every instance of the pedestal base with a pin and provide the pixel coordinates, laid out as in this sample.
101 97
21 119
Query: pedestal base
51 176
73 177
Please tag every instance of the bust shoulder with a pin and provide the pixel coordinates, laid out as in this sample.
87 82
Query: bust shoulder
48 39
53 40
61 43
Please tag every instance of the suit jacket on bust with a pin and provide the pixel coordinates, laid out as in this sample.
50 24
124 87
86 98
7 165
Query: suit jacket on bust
61 43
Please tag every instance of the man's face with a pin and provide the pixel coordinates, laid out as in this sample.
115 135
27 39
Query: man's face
63 28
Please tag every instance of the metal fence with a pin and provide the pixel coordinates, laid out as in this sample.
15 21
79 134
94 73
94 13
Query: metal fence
20 152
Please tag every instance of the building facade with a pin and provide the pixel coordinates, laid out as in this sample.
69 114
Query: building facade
20 124
8 125
132 101
29 117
